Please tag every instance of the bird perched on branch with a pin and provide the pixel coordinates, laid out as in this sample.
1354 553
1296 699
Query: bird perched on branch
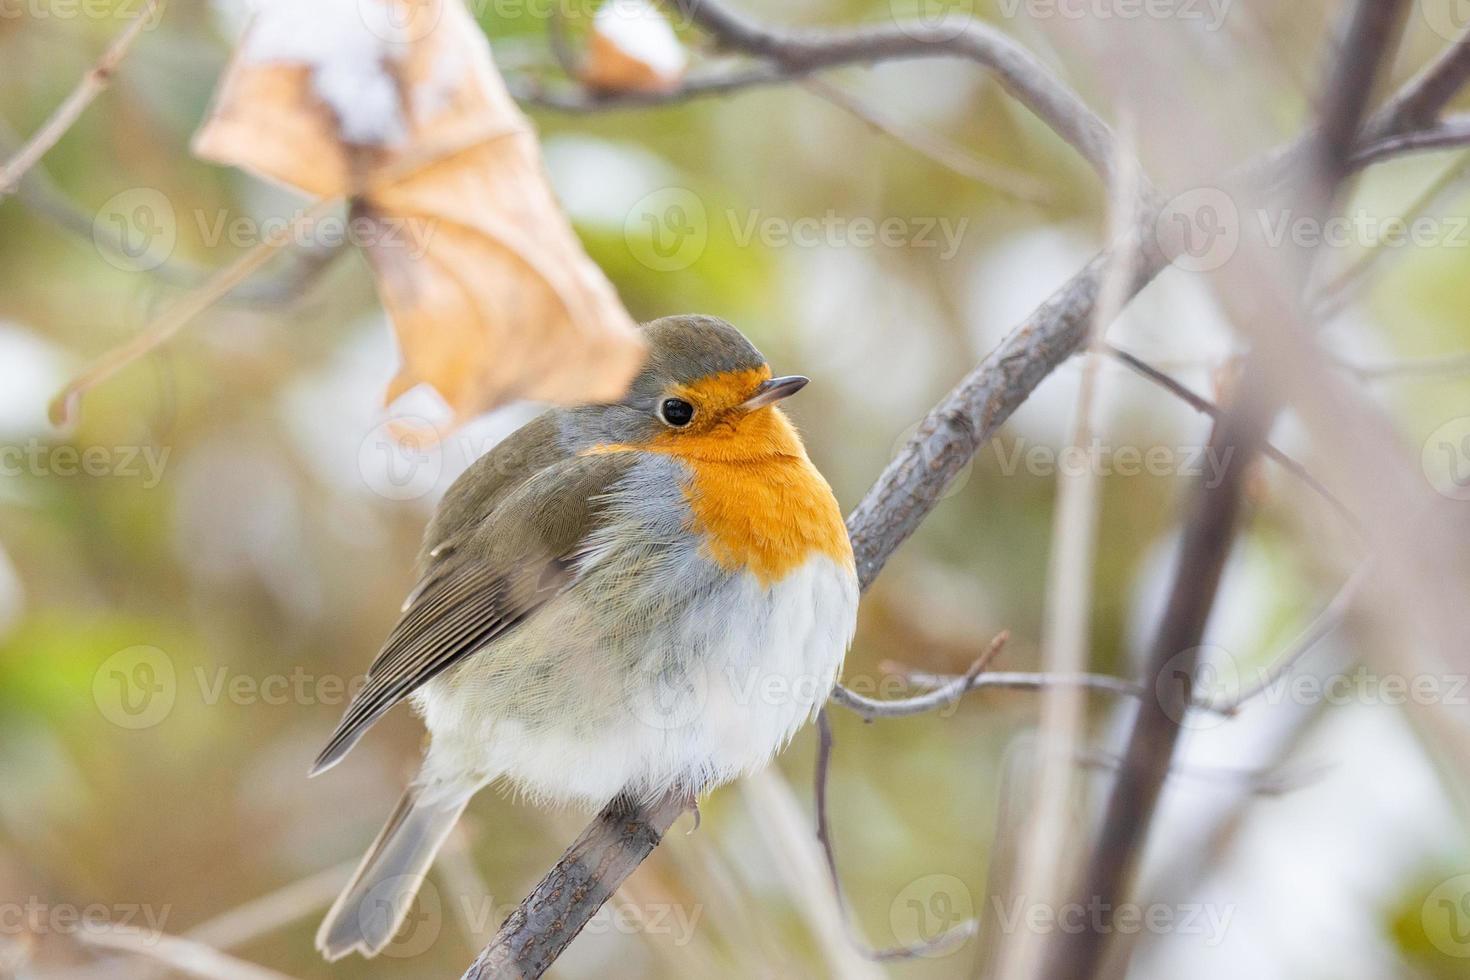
625 599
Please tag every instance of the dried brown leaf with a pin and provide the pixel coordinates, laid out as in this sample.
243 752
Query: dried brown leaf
490 292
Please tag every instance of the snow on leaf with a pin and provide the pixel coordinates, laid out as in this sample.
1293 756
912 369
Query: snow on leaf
633 48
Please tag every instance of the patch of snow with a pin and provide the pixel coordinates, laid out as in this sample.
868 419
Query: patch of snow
638 29
348 45
32 369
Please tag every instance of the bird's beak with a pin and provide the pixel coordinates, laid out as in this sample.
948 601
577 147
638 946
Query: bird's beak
770 392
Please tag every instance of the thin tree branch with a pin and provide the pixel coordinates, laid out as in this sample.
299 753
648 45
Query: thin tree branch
1447 365
1328 619
944 940
1425 96
1003 680
1203 405
38 193
1017 69
954 158
180 314
942 697
1333 298
92 84
1325 622
1452 133
789 54
549 918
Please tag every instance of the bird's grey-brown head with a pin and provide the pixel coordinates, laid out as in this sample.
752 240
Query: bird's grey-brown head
701 378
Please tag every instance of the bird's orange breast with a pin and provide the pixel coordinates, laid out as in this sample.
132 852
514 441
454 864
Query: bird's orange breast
755 497
768 517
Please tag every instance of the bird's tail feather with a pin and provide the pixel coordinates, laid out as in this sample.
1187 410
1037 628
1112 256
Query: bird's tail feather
370 909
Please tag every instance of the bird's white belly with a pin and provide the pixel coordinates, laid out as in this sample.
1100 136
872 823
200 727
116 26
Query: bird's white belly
692 699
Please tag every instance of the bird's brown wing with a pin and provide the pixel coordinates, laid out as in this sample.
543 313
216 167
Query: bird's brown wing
505 568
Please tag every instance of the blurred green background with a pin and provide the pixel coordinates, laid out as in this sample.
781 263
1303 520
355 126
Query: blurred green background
180 617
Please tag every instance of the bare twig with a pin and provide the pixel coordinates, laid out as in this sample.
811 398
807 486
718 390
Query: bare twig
615 843
39 194
1016 68
1452 133
1329 619
182 313
1323 624
1410 367
1006 680
1334 296
186 956
1206 407
179 315
801 863
950 937
787 55
92 84
1423 98
1014 183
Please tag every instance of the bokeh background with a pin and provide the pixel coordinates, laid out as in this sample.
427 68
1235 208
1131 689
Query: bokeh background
193 575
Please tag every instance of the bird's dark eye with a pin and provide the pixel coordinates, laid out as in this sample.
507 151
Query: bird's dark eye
676 412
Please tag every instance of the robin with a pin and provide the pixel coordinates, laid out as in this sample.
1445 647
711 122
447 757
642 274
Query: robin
624 599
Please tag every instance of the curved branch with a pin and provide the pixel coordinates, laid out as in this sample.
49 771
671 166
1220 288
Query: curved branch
92 84
1452 133
1017 69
